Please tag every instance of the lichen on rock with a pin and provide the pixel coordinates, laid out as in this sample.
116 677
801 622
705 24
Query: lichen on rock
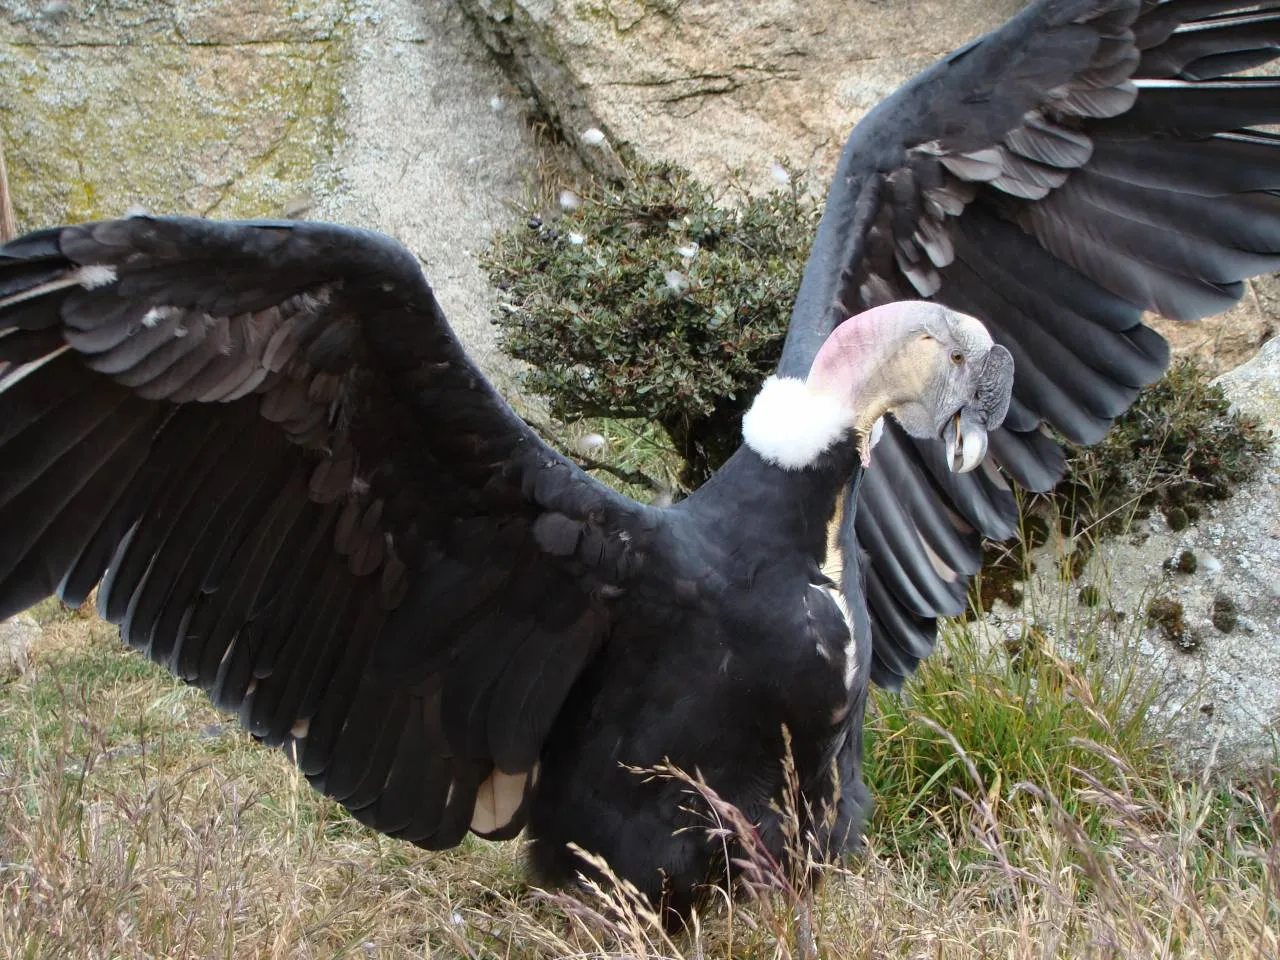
222 109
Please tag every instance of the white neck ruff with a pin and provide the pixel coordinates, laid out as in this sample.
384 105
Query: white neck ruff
791 426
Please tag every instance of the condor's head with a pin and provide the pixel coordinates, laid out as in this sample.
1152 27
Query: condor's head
934 370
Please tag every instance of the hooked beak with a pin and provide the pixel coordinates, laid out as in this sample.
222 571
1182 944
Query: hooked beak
965 434
966 443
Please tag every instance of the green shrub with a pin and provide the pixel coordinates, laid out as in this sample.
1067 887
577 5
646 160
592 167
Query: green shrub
1178 444
652 300
1021 714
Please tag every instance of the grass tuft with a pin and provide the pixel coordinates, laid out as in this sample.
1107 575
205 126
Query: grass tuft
1021 813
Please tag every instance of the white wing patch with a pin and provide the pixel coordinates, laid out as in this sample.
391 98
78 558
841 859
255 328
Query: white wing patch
94 275
91 277
497 801
940 566
153 316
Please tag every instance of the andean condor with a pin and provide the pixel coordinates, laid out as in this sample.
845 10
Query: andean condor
296 491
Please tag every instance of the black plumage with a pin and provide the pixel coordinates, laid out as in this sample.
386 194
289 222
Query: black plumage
298 493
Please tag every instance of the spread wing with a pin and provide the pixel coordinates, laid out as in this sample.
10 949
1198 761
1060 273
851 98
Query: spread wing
297 492
1090 160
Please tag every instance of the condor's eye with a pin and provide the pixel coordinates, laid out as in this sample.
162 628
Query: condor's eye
957 358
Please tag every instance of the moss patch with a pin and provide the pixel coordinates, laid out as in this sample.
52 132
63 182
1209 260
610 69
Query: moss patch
1170 617
1225 613
164 111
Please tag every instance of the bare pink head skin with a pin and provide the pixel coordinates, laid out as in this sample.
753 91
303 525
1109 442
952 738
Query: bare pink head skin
926 365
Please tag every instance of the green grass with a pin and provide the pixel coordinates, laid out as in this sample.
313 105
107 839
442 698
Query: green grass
1017 722
1010 736
635 456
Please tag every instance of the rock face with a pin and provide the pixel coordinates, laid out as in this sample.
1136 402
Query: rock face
1254 387
385 115
436 153
17 635
1228 340
1200 606
220 109
719 86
